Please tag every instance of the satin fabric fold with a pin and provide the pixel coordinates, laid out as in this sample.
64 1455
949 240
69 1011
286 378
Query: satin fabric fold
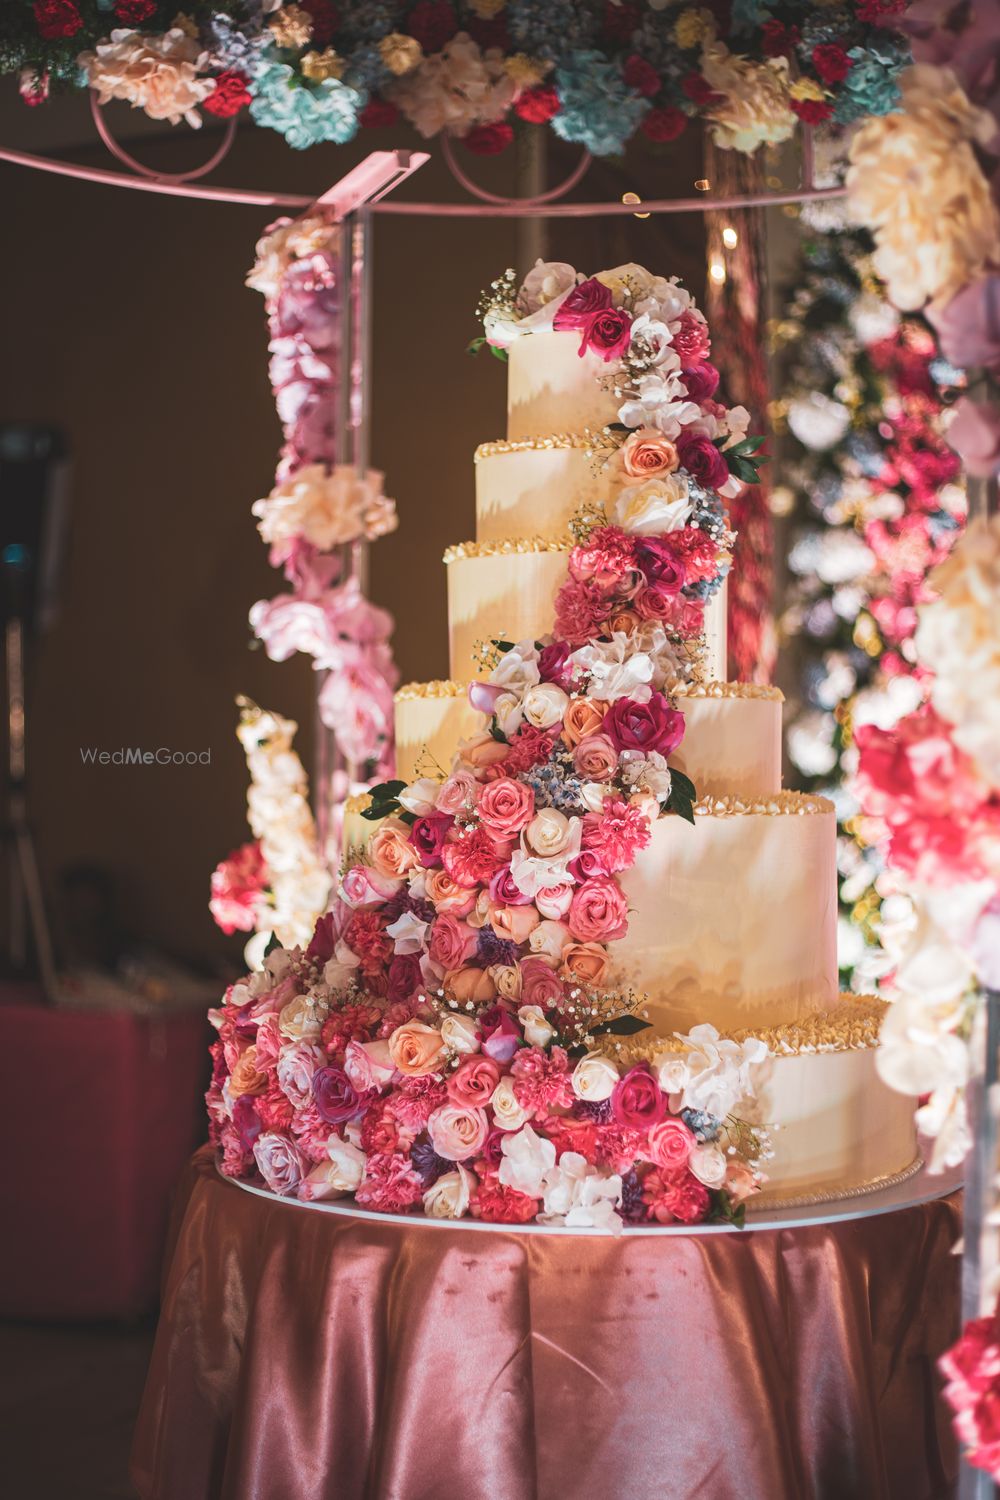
305 1357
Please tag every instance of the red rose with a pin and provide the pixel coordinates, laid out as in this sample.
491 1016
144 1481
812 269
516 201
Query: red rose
229 97
664 124
404 976
702 459
427 835
641 76
379 113
637 1100
324 18
778 40
433 23
701 379
698 89
831 62
56 19
660 563
537 105
579 306
489 140
134 12
811 111
608 333
644 726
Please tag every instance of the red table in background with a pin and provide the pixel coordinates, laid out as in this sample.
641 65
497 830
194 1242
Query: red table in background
305 1355
99 1111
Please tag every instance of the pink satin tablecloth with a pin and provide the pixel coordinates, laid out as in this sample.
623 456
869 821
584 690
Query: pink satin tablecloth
304 1356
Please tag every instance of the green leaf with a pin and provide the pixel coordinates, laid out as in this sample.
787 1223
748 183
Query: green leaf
723 1210
682 796
504 645
474 345
626 1025
497 733
272 943
683 784
497 353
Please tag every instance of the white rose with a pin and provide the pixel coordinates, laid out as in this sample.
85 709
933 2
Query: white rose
347 1164
548 832
368 1065
594 1078
547 280
296 1066
421 797
448 1198
593 795
544 705
657 506
517 669
508 1111
671 1073
509 713
537 1031
526 1159
708 1164
548 940
460 1033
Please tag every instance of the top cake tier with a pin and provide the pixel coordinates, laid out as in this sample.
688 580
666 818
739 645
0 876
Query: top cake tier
553 388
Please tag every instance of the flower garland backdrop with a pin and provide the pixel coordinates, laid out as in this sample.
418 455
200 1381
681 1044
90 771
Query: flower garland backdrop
598 71
876 501
452 1037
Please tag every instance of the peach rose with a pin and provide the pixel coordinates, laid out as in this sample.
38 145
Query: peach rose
457 1132
505 807
583 716
301 1019
246 1078
480 751
548 941
446 895
584 963
624 620
481 908
514 922
462 985
416 1048
596 758
647 453
390 850
740 1182
507 979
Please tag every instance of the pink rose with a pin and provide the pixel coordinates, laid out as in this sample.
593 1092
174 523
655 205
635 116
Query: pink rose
608 334
390 848
540 985
657 601
503 891
362 886
473 1082
457 1131
974 433
579 305
644 726
638 1101
457 791
368 1065
598 912
554 902
968 325
505 807
596 758
453 942
278 1162
336 1098
701 379
669 1143
427 835
702 459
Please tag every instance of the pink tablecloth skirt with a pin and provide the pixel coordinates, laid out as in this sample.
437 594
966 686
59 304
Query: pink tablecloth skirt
302 1356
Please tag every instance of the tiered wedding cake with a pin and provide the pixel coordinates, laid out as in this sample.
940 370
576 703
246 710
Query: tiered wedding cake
538 879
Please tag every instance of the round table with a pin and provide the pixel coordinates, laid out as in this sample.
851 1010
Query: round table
304 1355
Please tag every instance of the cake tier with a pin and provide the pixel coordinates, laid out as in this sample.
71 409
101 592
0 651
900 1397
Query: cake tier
507 589
733 919
552 388
732 735
537 485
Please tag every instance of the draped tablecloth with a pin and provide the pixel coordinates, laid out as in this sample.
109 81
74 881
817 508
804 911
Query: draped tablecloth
307 1356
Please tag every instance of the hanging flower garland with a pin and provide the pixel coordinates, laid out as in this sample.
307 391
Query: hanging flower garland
876 502
599 71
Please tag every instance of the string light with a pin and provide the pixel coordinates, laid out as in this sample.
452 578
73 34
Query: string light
730 238
717 272
634 198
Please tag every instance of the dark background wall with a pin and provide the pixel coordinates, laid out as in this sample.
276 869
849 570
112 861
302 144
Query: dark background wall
126 321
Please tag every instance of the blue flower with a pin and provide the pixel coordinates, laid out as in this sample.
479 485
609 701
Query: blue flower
597 108
871 87
304 114
553 29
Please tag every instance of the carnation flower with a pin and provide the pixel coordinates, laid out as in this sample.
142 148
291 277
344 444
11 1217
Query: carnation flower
497 1204
162 75
542 1079
671 1196
391 1185
616 834
326 508
239 886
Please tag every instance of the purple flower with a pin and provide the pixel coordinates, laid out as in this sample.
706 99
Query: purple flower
337 1101
500 1033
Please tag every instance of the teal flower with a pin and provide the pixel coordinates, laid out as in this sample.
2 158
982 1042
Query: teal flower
597 109
872 86
304 113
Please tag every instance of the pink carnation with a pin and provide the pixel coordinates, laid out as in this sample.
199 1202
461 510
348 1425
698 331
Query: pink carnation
238 887
391 1185
691 338
616 834
542 1079
496 1204
581 610
471 857
607 558
673 1196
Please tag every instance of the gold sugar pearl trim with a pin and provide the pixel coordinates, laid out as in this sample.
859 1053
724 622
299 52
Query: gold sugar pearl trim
508 547
852 1025
358 804
443 688
728 690
778 805
554 440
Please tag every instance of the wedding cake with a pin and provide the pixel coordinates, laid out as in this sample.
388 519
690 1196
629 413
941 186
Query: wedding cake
583 963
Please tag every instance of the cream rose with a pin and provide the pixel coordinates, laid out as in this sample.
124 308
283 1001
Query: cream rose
301 1018
708 1164
548 833
657 506
548 942
537 1031
448 1198
594 1078
507 979
508 1111
544 705
460 1033
456 1131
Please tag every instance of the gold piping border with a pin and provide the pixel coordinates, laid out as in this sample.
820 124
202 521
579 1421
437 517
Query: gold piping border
551 441
448 687
765 1202
509 546
779 804
852 1025
445 687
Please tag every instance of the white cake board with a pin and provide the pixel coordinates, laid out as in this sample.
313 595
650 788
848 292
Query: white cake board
919 1188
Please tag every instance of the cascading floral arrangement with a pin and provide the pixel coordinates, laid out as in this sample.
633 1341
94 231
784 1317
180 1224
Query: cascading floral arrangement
599 71
453 1036
876 502
315 512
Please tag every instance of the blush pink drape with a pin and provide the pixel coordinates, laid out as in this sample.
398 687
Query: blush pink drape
301 1356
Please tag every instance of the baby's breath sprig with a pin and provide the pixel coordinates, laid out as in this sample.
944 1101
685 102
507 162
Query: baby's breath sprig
589 518
591 1018
488 654
499 296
